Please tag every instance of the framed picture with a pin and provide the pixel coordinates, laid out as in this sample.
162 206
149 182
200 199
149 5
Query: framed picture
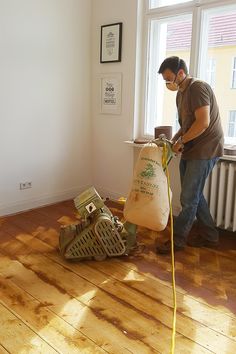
110 45
111 93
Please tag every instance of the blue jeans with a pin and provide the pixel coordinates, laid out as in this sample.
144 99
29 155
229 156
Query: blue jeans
193 175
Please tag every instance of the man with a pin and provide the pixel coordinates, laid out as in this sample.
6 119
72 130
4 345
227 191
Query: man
200 142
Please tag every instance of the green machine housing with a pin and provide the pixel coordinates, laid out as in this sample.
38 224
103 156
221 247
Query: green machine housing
99 234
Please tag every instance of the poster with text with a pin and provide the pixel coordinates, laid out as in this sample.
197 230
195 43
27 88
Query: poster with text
111 94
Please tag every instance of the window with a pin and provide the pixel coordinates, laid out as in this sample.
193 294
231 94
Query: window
211 72
171 36
201 32
234 74
232 124
176 123
159 3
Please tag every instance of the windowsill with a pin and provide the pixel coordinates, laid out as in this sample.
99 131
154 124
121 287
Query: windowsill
228 157
224 157
130 142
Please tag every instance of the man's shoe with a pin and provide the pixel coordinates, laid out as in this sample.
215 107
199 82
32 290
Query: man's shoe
202 242
165 248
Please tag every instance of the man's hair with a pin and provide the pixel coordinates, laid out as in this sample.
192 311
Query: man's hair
174 64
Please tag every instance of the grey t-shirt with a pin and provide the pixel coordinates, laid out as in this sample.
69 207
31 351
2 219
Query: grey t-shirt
210 143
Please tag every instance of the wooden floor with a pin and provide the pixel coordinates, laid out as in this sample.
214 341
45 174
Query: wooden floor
122 305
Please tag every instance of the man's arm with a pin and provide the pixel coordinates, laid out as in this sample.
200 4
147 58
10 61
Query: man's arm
177 135
201 123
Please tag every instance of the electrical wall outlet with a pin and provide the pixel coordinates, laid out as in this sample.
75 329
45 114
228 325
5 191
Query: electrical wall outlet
25 185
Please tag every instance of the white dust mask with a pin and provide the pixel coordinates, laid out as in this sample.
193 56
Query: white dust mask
173 86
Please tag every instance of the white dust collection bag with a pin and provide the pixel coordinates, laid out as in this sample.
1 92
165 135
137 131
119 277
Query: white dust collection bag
147 204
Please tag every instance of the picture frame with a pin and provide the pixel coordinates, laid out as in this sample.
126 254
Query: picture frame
111 43
111 89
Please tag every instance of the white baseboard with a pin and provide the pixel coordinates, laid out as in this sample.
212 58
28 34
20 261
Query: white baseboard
105 193
23 205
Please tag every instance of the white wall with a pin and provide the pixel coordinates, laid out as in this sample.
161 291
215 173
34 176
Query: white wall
49 56
44 101
112 158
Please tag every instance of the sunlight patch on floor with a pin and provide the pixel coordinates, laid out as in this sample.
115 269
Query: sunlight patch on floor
67 220
88 296
74 312
132 275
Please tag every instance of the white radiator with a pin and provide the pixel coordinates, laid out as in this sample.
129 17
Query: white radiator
220 193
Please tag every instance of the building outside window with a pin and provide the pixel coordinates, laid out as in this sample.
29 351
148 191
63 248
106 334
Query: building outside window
232 124
202 33
176 124
211 72
234 74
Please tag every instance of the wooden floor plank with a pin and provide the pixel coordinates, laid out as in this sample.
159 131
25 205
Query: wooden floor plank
154 321
39 314
190 271
194 330
3 350
201 300
160 292
17 338
157 293
54 330
107 306
49 290
129 299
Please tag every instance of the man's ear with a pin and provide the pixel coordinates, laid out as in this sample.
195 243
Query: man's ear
181 72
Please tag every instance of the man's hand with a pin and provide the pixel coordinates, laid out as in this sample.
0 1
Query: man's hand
177 147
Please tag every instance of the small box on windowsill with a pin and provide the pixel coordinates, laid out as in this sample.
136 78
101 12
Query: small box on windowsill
141 141
163 129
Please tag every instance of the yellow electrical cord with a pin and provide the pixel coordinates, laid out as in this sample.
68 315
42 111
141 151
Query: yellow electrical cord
164 162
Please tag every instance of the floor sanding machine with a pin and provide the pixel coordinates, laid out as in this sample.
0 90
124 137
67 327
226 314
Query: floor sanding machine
99 234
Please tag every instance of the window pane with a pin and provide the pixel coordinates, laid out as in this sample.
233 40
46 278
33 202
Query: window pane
219 42
167 37
232 124
234 73
159 3
211 72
